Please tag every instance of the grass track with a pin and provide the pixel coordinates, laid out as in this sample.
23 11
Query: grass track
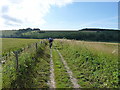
61 76
93 64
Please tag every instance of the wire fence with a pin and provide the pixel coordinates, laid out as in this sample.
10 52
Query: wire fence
14 55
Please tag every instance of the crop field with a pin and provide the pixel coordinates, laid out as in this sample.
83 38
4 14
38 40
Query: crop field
10 44
68 64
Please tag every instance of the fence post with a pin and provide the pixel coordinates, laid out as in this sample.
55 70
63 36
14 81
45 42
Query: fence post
6 57
36 46
9 54
24 49
16 58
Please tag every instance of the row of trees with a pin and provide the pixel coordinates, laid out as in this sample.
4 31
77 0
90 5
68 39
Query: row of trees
108 36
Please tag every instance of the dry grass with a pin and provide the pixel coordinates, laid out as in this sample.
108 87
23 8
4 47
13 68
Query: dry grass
103 47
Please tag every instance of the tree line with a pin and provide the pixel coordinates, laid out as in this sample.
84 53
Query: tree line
85 34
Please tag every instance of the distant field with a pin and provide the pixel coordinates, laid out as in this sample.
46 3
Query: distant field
103 47
8 32
0 46
86 35
9 44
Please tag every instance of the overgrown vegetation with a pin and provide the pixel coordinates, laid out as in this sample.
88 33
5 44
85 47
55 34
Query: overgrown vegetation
94 64
92 68
62 78
33 71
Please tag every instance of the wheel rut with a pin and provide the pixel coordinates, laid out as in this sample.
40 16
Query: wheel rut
52 76
73 79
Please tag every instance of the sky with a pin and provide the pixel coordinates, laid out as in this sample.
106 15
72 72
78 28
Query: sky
58 14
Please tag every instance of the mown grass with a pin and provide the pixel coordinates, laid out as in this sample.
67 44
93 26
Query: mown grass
92 67
62 78
10 44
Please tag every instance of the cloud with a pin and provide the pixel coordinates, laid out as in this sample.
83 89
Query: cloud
15 14
11 19
97 0
26 13
4 9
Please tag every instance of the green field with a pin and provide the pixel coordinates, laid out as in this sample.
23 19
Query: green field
10 44
31 62
103 35
93 64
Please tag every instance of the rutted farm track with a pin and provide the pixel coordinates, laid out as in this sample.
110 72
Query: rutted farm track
61 73
68 64
44 69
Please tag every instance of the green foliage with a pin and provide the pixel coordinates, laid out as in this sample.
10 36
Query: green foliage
92 68
103 35
8 33
11 44
33 71
62 78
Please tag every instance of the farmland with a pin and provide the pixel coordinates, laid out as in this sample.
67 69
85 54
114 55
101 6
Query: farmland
10 44
31 63
76 63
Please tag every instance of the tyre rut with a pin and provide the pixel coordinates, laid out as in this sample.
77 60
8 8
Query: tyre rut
52 76
73 80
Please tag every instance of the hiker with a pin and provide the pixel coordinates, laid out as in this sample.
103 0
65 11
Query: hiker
50 42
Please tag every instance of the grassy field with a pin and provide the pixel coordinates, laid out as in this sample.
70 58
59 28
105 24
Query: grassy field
94 64
33 68
8 33
10 44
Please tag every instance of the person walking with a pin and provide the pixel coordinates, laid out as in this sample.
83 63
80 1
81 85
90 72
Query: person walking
50 42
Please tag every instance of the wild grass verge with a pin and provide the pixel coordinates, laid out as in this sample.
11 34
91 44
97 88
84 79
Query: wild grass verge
33 70
92 68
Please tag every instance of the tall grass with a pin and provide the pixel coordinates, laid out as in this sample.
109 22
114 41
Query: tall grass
91 66
33 71
62 78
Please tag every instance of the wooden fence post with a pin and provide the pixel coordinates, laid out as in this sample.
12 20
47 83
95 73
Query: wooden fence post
36 46
16 58
6 56
24 49
9 54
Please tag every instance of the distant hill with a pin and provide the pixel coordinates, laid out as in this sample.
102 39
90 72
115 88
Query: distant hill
97 29
87 34
17 33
